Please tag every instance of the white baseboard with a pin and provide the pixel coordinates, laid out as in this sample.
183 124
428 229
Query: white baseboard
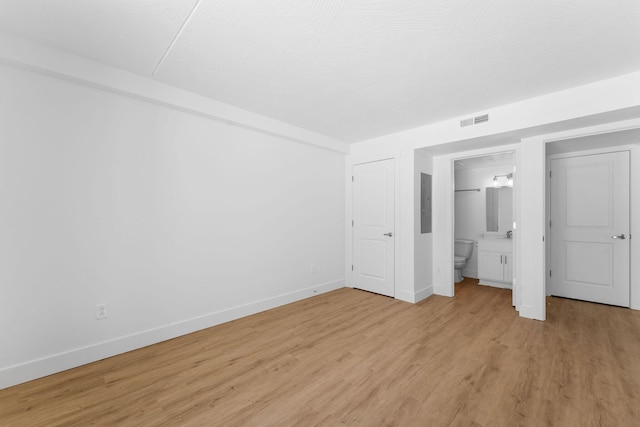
423 293
530 312
492 283
55 363
414 297
405 296
442 290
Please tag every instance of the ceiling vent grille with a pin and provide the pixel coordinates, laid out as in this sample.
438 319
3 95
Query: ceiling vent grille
474 120
466 122
481 119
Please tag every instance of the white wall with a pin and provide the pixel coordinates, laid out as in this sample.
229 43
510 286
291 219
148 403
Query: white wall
470 207
529 247
423 243
443 188
599 103
176 221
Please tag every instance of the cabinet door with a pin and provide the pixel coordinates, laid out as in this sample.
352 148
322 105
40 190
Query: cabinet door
508 267
490 265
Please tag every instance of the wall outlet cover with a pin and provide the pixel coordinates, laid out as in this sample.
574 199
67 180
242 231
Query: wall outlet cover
101 311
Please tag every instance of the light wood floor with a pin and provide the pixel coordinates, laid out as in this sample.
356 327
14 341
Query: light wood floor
354 358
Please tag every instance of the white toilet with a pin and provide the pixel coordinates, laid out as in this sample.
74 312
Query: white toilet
462 252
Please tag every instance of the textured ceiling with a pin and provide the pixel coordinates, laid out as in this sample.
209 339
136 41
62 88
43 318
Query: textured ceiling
347 69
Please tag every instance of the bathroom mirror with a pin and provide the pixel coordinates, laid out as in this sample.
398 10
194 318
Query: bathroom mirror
499 209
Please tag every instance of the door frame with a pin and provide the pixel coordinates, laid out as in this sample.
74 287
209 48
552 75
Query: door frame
634 150
515 188
350 162
357 243
444 191
595 151
548 182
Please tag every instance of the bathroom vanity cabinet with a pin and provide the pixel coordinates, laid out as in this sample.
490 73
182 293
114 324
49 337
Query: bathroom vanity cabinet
495 262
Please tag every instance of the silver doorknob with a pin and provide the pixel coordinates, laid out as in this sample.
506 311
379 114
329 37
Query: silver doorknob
621 237
388 234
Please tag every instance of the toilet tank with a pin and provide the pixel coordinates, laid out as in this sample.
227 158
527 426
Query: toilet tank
463 247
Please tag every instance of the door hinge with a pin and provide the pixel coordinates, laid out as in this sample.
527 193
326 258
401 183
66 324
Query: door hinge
549 273
352 223
351 267
549 223
352 178
549 174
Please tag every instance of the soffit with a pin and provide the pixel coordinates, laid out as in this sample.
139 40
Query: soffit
349 70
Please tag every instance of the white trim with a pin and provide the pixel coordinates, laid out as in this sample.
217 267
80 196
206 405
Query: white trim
534 273
348 224
406 296
495 284
529 312
444 235
634 302
442 290
423 293
21 53
547 229
633 149
594 151
38 368
398 233
350 162
414 297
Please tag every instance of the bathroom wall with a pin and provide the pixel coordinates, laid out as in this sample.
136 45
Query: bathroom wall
470 207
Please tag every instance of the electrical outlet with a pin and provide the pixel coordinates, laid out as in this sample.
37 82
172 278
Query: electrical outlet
314 269
101 311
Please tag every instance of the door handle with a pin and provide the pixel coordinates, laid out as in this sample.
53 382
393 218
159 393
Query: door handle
621 237
390 234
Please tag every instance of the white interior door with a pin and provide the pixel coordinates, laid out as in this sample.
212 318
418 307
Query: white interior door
373 227
590 228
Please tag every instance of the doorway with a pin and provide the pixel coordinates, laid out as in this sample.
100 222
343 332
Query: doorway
589 227
373 227
484 218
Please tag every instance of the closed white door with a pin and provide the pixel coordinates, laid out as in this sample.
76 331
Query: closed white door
373 227
590 228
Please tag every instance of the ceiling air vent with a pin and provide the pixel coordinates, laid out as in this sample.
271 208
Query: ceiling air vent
466 122
474 120
480 119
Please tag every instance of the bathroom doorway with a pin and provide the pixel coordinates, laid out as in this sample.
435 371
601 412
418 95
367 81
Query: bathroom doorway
484 220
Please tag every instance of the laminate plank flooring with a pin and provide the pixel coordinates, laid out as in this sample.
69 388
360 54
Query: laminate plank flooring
350 357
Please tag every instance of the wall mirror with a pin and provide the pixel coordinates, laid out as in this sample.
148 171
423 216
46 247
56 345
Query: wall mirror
499 209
